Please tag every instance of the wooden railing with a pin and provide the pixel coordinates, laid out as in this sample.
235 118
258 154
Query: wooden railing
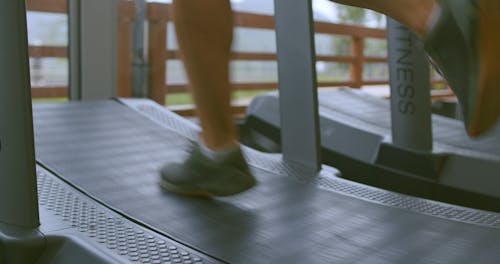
50 6
158 15
126 13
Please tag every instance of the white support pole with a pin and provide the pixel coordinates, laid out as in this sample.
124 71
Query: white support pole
18 193
93 49
410 89
297 82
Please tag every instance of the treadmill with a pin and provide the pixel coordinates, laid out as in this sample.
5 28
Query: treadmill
92 195
396 144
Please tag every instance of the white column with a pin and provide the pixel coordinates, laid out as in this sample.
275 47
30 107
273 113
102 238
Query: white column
18 193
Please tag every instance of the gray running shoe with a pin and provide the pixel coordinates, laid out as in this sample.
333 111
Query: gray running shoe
454 44
199 175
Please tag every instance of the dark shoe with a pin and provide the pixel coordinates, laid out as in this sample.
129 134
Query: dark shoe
199 175
467 53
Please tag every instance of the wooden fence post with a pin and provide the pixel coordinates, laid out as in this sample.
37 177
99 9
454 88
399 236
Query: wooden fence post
356 69
157 35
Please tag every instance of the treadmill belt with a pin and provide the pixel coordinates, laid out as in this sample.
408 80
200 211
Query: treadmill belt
113 153
353 104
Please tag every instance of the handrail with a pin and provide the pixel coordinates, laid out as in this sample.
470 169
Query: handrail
49 6
160 14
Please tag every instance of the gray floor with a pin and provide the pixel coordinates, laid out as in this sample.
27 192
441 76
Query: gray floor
113 153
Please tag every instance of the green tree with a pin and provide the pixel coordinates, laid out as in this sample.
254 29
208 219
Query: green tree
379 18
341 45
351 14
347 15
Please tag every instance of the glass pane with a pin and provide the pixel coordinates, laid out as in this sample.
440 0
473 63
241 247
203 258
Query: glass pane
175 73
375 47
47 29
332 71
375 72
48 74
332 45
49 71
254 40
254 71
241 72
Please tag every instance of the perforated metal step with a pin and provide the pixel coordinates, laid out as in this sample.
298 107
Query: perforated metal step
68 212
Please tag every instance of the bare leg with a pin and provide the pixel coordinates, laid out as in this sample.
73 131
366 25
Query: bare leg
412 13
217 166
204 32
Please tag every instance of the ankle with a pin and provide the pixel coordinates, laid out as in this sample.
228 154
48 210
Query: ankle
218 140
220 153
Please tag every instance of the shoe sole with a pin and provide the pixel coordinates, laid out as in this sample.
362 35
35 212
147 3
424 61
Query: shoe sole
182 191
487 108
198 193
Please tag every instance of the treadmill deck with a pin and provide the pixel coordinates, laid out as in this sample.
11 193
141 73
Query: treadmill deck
356 138
374 113
112 151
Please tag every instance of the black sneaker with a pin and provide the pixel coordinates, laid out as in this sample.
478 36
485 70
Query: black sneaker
199 175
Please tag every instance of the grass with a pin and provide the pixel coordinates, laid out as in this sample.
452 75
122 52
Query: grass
186 99
50 100
171 99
